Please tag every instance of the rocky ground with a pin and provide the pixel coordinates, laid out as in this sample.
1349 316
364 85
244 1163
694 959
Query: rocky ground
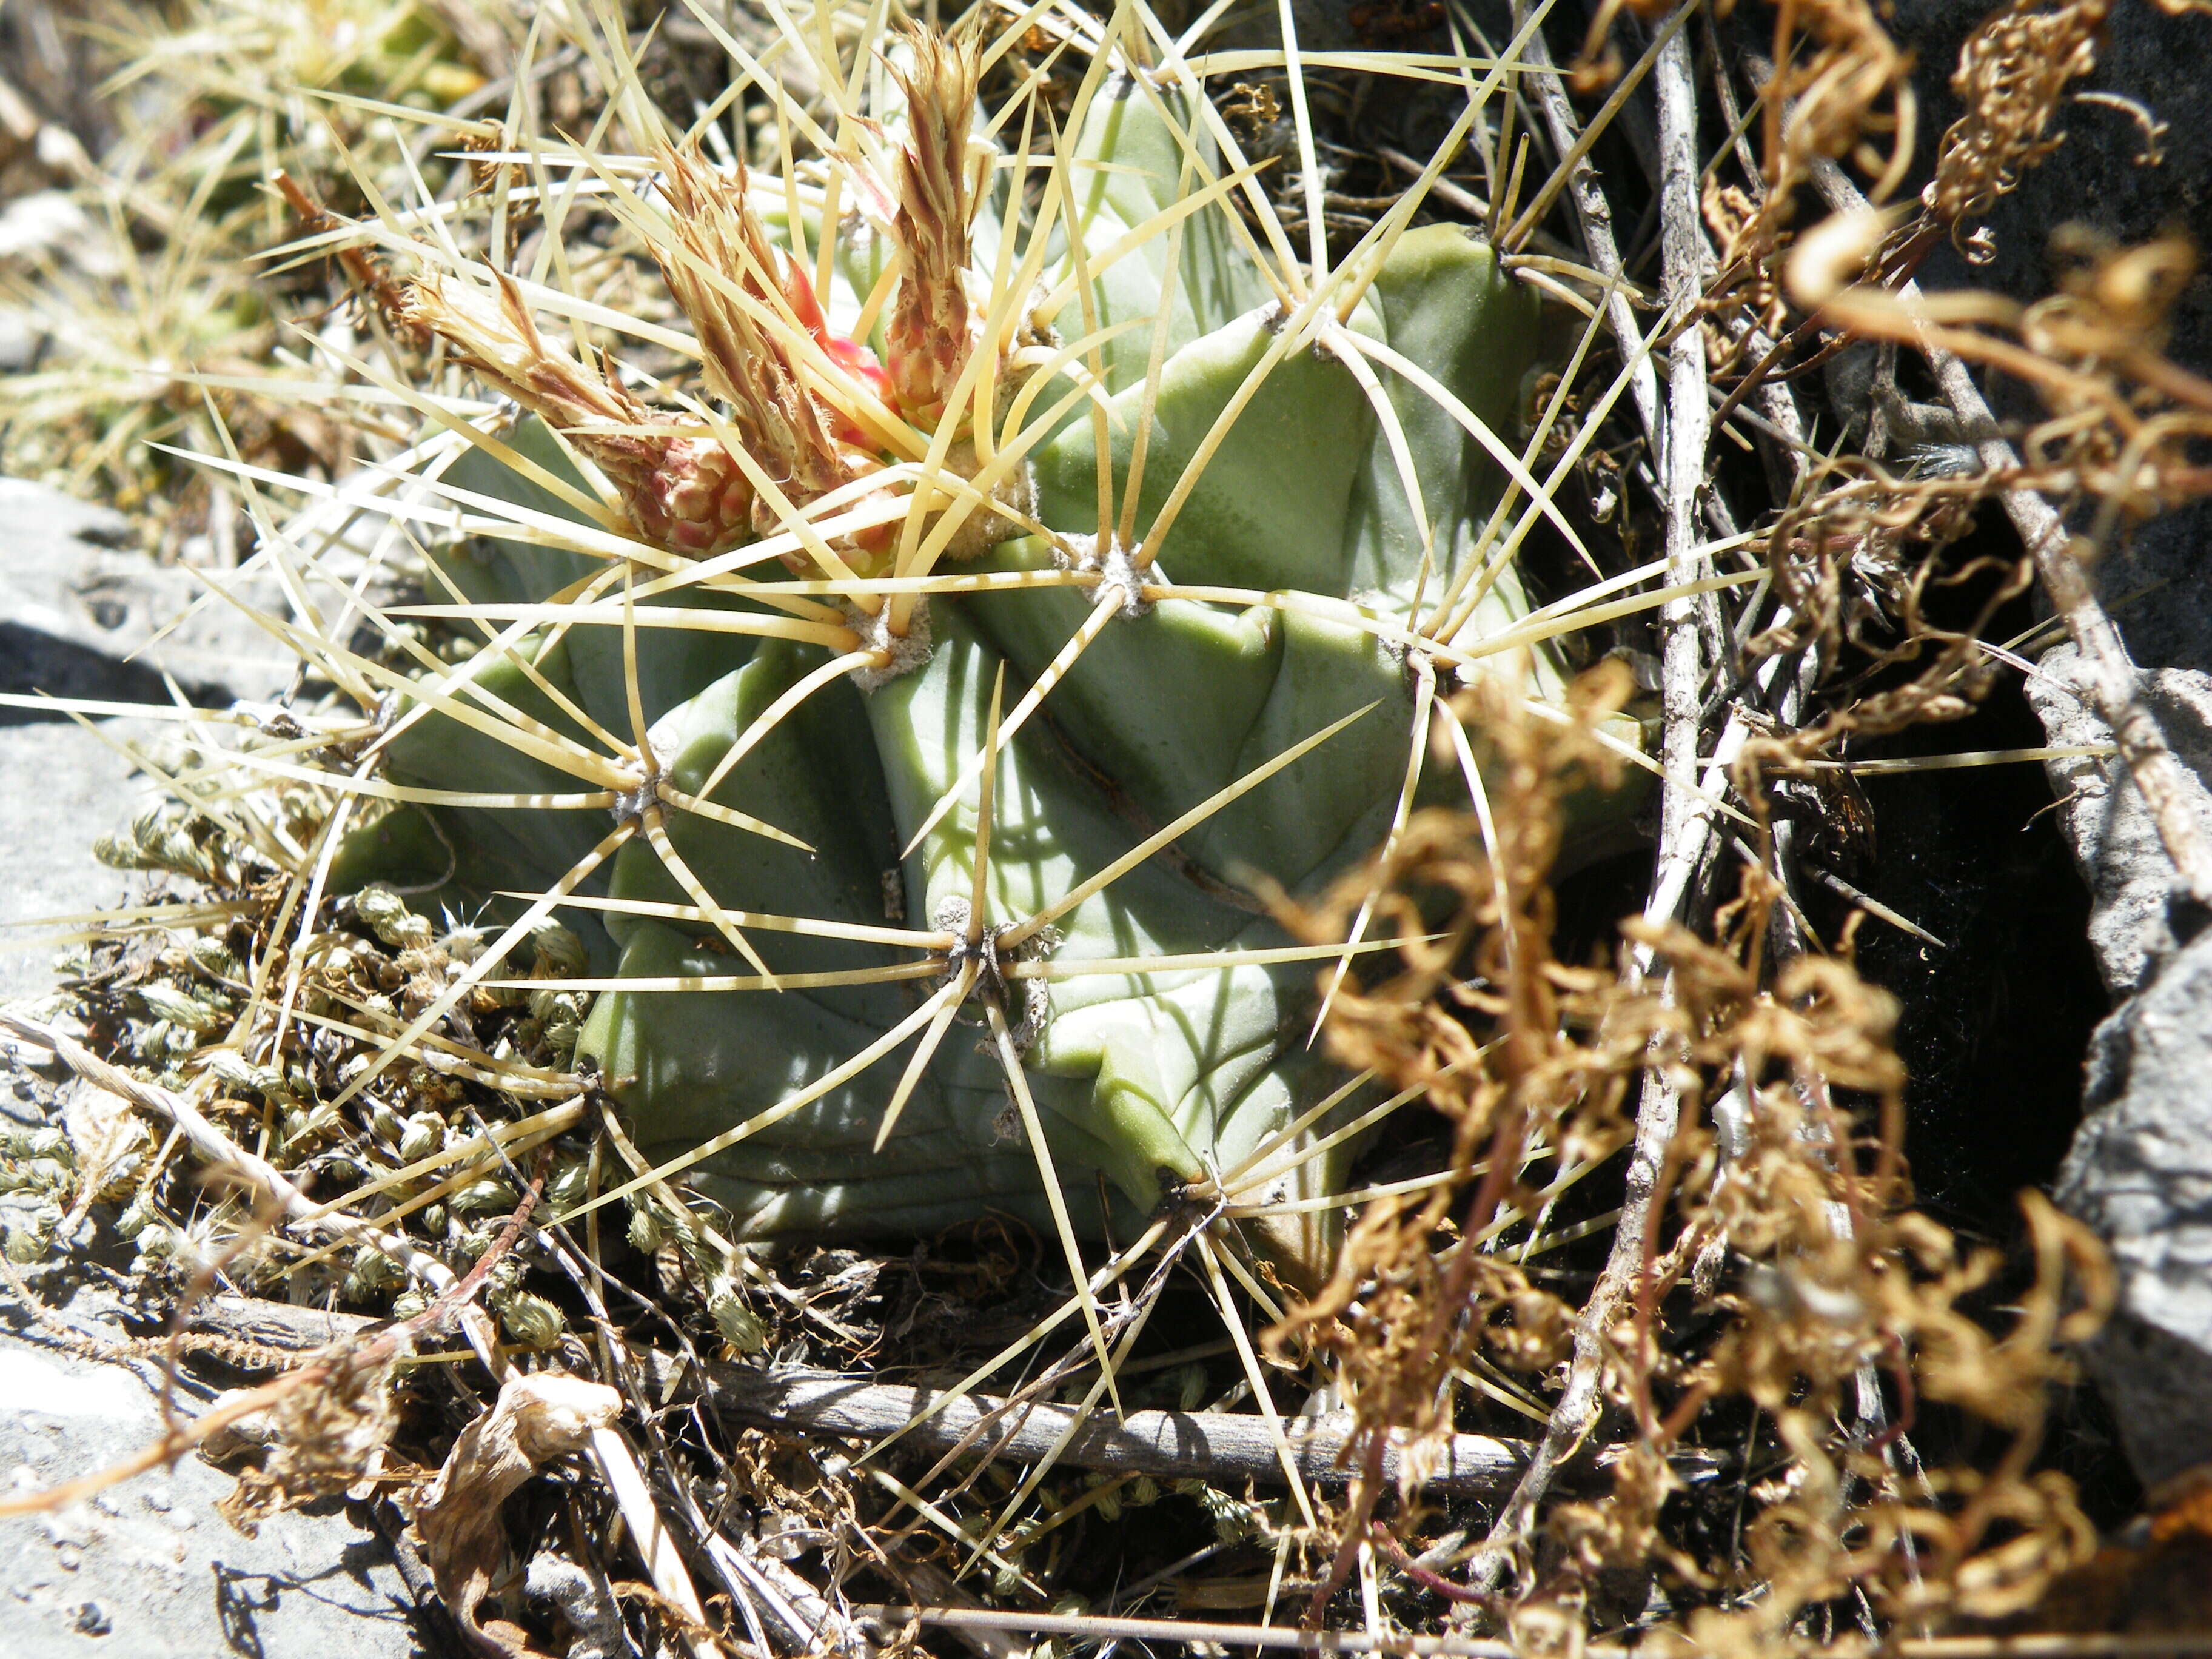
2140 1171
148 1568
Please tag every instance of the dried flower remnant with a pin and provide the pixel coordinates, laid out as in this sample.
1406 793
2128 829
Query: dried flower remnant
766 350
2123 418
930 331
1840 86
536 1418
1835 1282
1417 1296
317 1440
683 492
1839 70
934 326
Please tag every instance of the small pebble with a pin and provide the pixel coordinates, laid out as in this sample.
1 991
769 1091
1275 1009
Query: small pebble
92 1619
68 1556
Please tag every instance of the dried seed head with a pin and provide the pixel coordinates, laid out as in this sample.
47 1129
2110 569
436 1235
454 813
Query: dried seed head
386 914
929 332
493 332
528 1320
683 493
2011 77
740 1327
560 953
648 1228
424 1133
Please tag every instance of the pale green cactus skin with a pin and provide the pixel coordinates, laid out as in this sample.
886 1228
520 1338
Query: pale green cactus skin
1146 1080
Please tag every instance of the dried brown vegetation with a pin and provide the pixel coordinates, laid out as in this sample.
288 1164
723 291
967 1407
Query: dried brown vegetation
1781 1228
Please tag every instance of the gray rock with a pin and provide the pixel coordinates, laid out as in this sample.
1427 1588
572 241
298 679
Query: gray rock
18 340
2103 814
2140 1172
52 222
60 785
148 1569
70 589
73 604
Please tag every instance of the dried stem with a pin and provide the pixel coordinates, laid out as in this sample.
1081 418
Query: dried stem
1221 1447
1262 1637
1594 215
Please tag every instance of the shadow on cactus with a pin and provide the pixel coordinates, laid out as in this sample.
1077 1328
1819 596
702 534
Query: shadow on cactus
912 714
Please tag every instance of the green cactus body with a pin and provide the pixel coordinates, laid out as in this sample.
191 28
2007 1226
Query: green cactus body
1143 1077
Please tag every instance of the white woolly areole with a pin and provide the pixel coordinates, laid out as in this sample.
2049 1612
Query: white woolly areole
663 738
1115 568
902 652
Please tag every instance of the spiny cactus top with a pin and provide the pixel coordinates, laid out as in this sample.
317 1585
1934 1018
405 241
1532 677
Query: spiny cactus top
911 719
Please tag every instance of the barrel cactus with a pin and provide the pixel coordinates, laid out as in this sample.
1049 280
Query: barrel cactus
912 713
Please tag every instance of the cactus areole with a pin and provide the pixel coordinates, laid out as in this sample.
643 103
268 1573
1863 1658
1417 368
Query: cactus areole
857 559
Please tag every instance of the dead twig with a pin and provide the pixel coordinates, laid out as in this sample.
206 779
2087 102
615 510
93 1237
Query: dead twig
1686 814
1214 1446
1263 1636
536 1418
1594 215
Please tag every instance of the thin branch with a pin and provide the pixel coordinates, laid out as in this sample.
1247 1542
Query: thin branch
1219 1447
1079 1626
1594 214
